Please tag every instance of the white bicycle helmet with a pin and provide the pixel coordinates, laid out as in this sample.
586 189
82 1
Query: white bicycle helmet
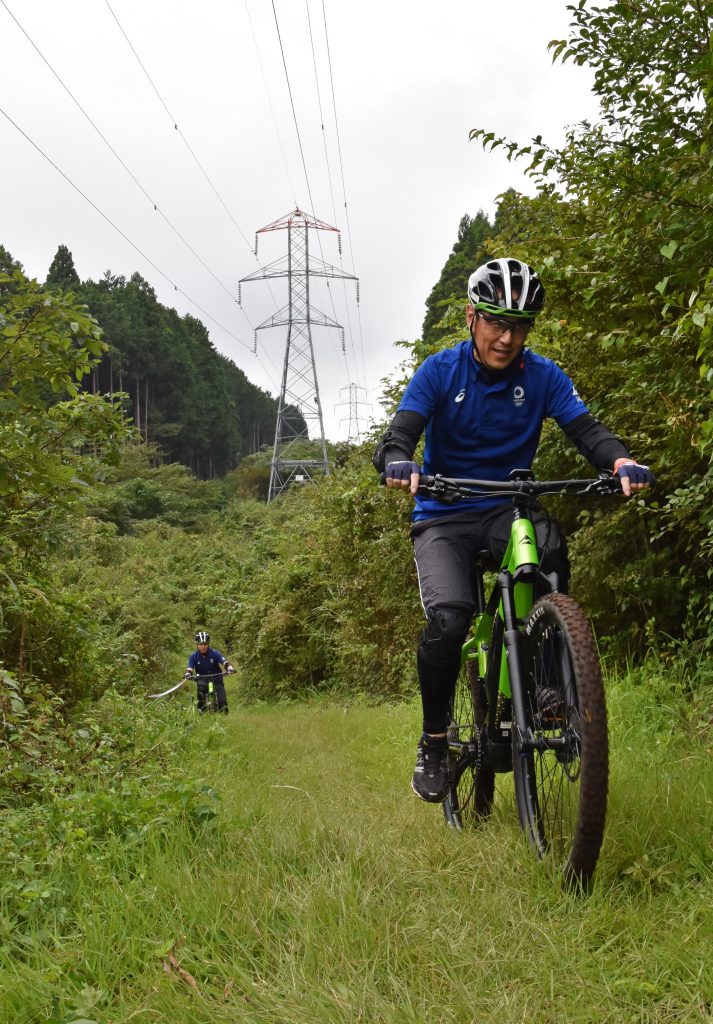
202 637
508 287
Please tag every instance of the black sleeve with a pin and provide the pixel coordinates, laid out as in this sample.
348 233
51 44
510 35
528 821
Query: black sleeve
596 443
400 440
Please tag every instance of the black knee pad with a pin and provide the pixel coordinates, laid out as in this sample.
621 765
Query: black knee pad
443 637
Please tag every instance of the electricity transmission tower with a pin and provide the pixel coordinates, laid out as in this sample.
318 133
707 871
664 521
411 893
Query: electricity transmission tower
299 405
354 434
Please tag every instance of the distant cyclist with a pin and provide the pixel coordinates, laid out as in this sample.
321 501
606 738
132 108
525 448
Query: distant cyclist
205 664
481 404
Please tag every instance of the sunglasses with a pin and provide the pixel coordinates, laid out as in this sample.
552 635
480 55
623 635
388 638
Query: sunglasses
520 329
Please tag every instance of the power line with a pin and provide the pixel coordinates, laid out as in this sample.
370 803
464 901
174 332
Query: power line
341 168
190 150
321 115
269 100
297 129
176 128
329 176
123 164
131 174
292 103
200 166
126 238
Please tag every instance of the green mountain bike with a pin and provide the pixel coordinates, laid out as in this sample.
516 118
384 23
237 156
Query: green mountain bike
529 698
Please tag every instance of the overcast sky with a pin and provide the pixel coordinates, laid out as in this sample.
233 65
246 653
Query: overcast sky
410 79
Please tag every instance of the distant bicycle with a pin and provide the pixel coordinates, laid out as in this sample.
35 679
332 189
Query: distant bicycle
207 696
530 697
210 696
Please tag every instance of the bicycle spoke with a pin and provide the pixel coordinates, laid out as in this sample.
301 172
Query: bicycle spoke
470 796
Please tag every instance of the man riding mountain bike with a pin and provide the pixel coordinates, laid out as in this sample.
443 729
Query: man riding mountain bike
206 664
481 404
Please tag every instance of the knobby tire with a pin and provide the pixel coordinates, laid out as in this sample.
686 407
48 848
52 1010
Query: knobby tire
561 794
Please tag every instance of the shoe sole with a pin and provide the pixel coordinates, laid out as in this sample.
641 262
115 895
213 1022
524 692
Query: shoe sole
430 798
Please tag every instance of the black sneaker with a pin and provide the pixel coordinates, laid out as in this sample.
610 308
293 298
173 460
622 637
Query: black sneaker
430 776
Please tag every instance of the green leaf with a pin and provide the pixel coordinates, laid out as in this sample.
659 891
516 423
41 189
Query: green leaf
556 46
203 812
669 249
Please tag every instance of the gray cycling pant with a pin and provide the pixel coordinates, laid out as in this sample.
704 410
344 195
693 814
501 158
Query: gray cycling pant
445 550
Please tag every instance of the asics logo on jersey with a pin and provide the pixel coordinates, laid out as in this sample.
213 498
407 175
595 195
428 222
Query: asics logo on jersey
460 396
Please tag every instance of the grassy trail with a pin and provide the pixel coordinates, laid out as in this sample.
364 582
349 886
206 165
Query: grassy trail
323 891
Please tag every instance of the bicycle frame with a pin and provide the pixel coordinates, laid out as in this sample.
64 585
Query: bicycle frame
519 563
495 629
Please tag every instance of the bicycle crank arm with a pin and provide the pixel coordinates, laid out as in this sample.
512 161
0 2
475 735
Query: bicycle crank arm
463 749
466 761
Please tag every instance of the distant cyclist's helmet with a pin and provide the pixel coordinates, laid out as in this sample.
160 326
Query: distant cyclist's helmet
202 637
506 287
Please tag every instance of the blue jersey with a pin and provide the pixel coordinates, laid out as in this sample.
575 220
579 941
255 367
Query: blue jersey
208 664
482 428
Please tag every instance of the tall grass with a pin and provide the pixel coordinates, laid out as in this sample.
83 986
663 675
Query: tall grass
323 891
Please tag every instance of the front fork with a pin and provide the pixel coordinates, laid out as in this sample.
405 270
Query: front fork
514 593
512 670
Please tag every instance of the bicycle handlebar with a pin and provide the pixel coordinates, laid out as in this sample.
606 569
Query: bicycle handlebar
173 689
447 489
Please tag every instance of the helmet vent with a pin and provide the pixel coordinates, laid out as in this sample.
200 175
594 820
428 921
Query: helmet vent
507 285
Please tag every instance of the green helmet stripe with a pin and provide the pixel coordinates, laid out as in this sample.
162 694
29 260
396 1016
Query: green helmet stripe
516 314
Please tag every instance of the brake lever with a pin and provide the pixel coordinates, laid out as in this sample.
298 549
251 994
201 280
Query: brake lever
605 483
441 491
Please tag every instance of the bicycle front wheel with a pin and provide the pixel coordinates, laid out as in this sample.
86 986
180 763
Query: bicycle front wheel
472 790
561 761
211 701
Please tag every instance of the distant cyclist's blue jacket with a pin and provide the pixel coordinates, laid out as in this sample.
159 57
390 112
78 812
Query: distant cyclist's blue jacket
482 428
207 664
